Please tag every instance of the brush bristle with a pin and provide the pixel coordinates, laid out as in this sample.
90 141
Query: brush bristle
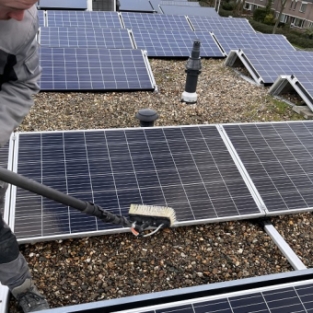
153 211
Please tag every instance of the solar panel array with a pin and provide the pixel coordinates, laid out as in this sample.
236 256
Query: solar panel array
175 43
202 23
269 64
93 69
83 19
63 4
189 10
279 159
187 168
111 38
135 6
154 21
294 298
234 41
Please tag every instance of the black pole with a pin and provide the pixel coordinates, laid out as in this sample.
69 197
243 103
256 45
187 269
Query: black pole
58 196
193 70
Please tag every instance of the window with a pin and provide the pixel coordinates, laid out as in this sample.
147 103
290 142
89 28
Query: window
298 22
303 6
310 25
295 5
291 4
283 18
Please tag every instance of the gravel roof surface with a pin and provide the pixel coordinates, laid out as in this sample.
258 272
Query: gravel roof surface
105 267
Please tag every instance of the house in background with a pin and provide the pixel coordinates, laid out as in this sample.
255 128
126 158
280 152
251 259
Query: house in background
297 13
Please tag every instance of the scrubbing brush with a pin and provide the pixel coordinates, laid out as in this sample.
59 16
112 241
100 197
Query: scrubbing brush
146 216
141 217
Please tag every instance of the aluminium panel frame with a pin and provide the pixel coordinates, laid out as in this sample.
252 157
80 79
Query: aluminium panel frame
283 81
4 290
238 55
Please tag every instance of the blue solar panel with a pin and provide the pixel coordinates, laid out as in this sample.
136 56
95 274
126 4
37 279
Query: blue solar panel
93 69
269 64
292 298
279 159
135 6
104 19
187 168
63 4
174 43
4 153
154 21
188 10
111 38
202 23
41 18
234 41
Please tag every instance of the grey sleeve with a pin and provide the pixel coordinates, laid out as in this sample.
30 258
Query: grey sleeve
16 96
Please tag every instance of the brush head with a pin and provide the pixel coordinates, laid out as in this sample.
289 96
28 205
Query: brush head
152 216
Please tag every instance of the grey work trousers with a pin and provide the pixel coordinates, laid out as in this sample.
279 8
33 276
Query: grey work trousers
13 266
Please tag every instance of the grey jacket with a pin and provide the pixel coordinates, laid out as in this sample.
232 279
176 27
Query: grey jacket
19 71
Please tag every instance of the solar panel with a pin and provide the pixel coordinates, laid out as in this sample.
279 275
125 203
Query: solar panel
63 4
234 41
94 69
105 19
136 6
266 65
4 153
202 23
279 159
111 38
179 3
287 298
187 168
41 17
189 10
174 43
154 21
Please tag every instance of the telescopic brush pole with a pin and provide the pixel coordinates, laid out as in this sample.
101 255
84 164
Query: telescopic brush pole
193 69
50 193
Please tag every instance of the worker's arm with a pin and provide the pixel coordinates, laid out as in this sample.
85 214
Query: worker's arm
19 73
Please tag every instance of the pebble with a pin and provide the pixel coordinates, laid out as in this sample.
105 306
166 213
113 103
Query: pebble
127 266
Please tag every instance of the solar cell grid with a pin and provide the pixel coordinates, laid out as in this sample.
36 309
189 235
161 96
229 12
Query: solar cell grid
41 17
278 158
174 43
203 23
270 64
61 4
290 298
106 19
233 41
135 6
154 21
187 168
4 153
190 10
93 68
111 38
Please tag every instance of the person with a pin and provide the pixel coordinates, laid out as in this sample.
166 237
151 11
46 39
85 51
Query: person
19 74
